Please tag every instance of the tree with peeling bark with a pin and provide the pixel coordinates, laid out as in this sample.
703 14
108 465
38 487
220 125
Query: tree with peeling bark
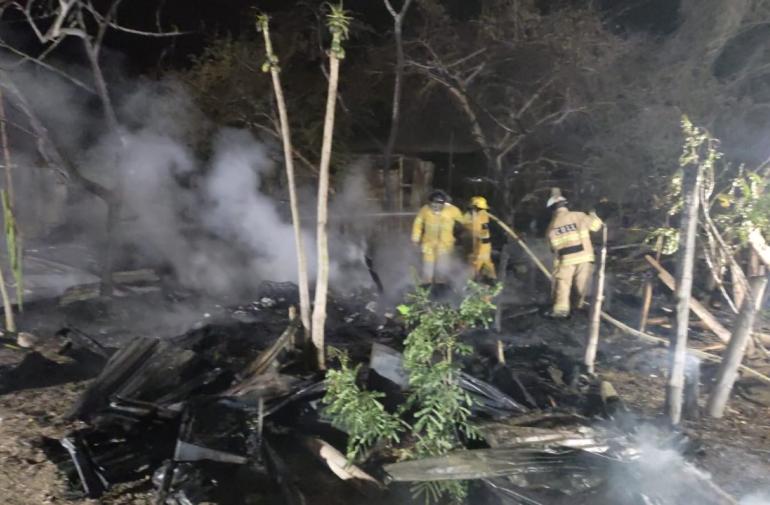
271 65
83 21
339 26
398 82
699 154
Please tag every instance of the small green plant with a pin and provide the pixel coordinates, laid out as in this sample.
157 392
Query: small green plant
338 21
669 239
744 207
440 408
429 358
357 412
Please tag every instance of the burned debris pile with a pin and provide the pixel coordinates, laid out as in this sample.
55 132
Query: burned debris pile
230 413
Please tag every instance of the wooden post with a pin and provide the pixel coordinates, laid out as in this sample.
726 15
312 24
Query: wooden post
592 343
728 370
647 296
691 182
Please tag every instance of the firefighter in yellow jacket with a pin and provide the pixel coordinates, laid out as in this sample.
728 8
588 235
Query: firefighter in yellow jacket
477 223
569 237
433 231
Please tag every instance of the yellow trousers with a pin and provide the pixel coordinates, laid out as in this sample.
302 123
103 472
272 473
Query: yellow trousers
565 278
483 266
435 265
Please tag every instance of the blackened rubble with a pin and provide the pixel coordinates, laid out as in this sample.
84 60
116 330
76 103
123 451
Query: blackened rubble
229 413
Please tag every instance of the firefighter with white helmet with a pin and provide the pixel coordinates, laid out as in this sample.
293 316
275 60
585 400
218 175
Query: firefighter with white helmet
433 231
477 223
569 237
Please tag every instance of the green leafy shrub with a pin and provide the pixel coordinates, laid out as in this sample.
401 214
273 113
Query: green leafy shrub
357 412
440 408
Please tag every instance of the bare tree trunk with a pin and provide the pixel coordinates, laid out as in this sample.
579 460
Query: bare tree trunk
46 147
322 279
728 370
302 275
395 115
592 343
477 131
10 321
691 181
114 202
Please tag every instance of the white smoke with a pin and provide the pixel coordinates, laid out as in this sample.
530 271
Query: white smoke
756 499
240 213
199 200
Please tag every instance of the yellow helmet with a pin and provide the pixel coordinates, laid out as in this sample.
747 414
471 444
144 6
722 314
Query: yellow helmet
479 202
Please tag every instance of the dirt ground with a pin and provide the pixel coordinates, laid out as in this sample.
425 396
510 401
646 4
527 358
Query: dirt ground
734 450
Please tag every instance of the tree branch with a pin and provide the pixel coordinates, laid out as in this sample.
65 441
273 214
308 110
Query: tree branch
42 64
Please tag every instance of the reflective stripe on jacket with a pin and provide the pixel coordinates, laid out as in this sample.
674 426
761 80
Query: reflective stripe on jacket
569 236
435 230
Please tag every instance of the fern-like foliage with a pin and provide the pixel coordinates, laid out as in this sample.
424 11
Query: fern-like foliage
356 411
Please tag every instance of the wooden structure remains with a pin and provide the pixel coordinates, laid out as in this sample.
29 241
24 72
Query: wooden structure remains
413 180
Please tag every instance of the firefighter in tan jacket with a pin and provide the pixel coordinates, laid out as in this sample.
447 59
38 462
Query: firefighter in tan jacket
569 237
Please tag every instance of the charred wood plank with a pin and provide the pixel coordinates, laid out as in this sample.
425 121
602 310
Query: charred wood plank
495 462
504 434
86 341
93 484
120 367
267 386
269 355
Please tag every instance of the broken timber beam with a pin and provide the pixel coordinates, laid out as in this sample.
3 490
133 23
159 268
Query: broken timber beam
697 307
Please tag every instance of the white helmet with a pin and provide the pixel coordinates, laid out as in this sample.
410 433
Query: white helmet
554 200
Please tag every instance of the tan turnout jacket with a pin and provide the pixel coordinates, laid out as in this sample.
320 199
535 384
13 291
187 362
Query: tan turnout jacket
569 236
